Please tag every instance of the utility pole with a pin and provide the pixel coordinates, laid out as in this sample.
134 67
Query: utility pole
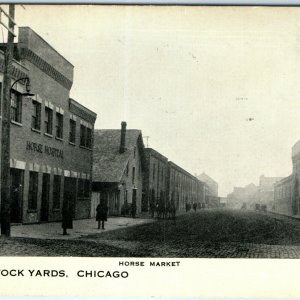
5 144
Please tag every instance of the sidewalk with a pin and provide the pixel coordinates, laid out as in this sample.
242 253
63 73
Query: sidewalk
80 228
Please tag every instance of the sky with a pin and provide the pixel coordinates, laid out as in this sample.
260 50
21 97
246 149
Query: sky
216 89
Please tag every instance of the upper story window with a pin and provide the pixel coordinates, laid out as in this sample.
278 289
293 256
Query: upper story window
134 152
72 133
48 120
36 115
59 125
85 136
16 107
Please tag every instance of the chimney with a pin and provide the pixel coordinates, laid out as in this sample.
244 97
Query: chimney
123 137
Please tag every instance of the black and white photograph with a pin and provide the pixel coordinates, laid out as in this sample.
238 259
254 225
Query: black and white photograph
150 131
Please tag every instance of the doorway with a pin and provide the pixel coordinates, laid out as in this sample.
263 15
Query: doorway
45 198
70 193
16 194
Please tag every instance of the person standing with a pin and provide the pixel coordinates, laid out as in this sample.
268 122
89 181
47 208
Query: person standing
133 209
101 215
67 214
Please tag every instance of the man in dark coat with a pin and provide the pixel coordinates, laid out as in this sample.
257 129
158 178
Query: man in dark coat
67 215
133 209
101 215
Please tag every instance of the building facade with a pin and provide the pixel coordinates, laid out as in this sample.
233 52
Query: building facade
155 179
287 190
51 137
118 168
266 190
211 183
183 188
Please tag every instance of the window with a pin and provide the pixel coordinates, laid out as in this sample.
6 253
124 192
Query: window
16 107
127 169
133 175
59 125
36 115
33 190
48 120
153 172
89 138
56 191
86 188
72 136
85 136
134 152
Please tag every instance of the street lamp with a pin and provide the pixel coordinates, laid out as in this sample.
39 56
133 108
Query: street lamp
5 157
28 86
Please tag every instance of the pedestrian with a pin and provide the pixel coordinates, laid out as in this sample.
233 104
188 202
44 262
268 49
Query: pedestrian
133 209
101 215
67 214
195 206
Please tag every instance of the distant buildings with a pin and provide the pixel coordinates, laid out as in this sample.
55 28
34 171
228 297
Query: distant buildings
251 194
240 195
266 190
211 183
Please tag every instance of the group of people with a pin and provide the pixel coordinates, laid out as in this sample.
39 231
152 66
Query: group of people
162 209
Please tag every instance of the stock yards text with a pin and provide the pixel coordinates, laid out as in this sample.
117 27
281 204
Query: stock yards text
15 272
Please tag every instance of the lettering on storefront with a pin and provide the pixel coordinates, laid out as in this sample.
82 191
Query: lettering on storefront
40 148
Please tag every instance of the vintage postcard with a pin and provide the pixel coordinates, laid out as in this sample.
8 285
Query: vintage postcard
150 151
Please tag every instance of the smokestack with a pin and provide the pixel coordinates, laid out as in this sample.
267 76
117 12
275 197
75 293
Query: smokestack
123 137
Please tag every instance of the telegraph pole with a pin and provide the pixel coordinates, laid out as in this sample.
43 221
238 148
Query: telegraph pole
5 144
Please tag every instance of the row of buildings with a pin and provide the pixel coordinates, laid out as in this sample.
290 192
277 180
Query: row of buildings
57 156
279 194
125 173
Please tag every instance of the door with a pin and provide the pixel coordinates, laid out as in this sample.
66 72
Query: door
45 198
16 194
70 193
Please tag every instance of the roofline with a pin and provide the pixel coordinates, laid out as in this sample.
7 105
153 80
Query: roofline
47 44
83 107
156 153
183 170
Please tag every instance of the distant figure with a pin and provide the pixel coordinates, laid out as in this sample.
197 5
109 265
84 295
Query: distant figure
133 209
195 206
101 215
67 214
152 208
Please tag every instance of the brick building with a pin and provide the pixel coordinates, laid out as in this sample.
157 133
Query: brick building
184 188
118 168
51 136
155 178
287 190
